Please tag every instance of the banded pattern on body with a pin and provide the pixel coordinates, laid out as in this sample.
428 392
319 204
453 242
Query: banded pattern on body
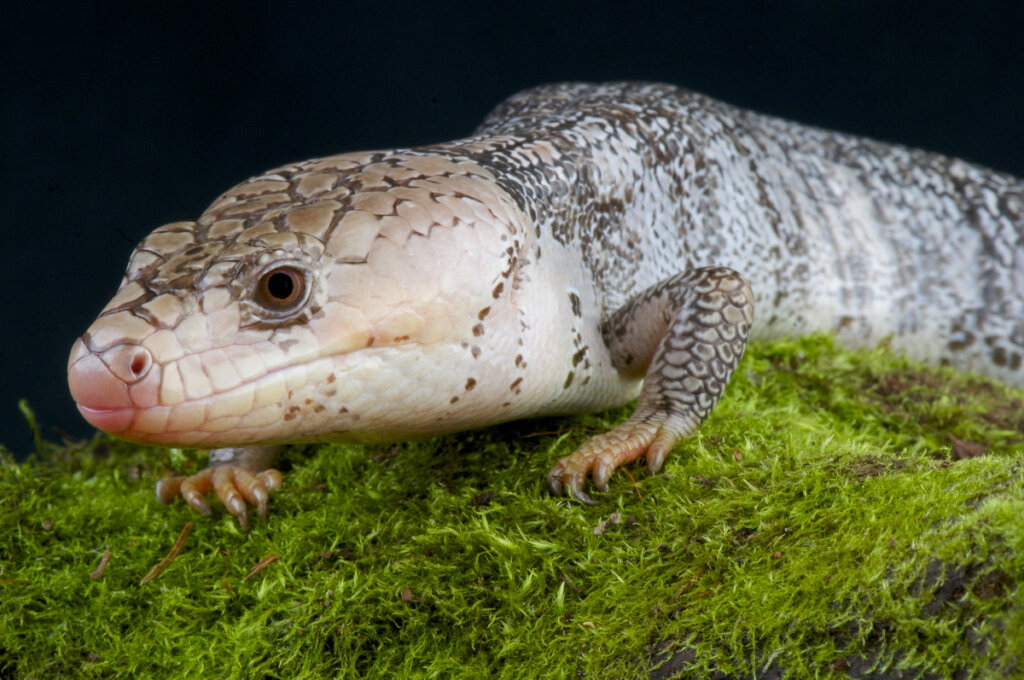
586 242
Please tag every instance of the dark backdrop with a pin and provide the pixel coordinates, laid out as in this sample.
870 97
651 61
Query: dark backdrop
118 119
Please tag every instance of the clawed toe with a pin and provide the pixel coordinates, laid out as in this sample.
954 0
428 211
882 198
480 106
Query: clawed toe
565 476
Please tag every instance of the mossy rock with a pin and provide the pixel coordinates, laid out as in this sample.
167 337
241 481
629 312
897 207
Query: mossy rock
841 514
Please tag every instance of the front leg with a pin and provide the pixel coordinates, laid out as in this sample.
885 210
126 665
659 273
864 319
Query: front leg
688 332
238 475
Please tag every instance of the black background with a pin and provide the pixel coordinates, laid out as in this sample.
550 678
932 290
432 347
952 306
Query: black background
118 118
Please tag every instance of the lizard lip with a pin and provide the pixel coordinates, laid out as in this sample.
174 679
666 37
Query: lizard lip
111 420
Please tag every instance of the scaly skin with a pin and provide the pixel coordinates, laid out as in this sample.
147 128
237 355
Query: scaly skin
586 240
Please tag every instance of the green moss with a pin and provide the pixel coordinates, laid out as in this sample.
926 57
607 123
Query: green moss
841 514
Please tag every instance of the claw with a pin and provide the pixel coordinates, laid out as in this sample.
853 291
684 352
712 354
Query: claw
243 519
224 484
554 481
271 479
602 473
199 505
567 476
167 489
576 491
253 490
194 489
656 456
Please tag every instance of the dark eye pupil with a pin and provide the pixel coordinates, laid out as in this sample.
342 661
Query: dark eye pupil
280 285
281 289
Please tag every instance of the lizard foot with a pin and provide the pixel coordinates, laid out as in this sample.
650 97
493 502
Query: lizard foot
602 454
685 336
235 486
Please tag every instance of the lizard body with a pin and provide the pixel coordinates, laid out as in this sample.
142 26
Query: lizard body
588 244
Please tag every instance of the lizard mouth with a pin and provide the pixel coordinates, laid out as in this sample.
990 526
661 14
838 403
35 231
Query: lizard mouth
112 420
118 392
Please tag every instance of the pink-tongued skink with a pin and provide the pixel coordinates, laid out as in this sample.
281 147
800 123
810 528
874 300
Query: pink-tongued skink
587 245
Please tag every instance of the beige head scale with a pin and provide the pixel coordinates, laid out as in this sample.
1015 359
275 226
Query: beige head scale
223 327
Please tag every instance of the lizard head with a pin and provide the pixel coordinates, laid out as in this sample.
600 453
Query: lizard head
346 298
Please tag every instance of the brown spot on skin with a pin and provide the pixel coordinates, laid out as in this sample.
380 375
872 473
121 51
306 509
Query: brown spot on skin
319 408
578 357
999 356
343 410
289 416
331 392
478 330
331 378
506 404
453 400
574 300
568 380
475 351
401 338
294 409
968 338
519 360
515 385
483 313
496 293
308 402
370 341
470 384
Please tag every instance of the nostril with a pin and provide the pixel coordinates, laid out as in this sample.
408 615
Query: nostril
130 363
140 363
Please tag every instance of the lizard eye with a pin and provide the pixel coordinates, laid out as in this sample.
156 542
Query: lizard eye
281 289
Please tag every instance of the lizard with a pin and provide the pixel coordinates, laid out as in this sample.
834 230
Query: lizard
587 245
